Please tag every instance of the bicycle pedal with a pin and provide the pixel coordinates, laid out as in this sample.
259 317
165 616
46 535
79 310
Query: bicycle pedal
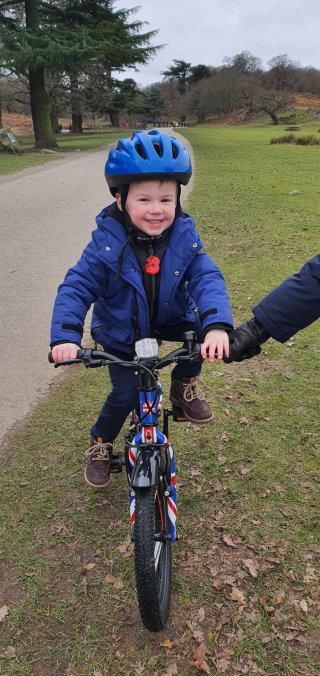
178 415
116 464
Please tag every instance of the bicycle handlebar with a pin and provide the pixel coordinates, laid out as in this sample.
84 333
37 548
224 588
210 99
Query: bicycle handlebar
95 358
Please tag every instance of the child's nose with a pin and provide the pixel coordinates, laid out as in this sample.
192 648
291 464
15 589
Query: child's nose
155 207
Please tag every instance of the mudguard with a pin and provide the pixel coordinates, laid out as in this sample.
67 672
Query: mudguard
146 468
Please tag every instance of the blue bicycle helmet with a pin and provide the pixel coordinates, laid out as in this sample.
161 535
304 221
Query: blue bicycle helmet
146 156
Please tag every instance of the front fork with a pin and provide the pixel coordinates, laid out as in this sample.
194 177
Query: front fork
144 462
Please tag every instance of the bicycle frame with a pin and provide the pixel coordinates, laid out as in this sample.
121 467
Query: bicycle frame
150 453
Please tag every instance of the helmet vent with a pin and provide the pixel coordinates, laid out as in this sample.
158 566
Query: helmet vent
175 151
141 151
158 148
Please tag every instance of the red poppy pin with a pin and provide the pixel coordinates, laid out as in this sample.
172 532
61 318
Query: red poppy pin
152 265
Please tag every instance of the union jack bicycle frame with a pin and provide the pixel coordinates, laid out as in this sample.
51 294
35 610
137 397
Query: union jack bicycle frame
151 452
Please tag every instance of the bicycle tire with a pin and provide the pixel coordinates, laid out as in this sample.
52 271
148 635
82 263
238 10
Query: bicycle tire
152 557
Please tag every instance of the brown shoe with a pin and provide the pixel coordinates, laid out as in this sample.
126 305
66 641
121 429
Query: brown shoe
186 395
97 469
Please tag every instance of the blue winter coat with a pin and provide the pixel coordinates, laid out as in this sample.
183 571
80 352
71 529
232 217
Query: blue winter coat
189 279
294 304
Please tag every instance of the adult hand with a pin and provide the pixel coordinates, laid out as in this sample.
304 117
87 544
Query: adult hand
245 341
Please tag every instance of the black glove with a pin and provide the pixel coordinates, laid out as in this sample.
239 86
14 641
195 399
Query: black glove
245 341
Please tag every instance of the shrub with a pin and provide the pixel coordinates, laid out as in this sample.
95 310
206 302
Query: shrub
307 140
288 138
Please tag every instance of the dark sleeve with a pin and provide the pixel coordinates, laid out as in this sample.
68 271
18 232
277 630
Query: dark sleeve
292 305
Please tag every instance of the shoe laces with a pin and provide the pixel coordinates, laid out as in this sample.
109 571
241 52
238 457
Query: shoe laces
99 451
192 391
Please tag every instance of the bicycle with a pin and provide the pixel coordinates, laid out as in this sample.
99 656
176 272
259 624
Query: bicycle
150 467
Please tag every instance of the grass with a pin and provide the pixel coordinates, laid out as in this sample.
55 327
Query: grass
252 475
67 143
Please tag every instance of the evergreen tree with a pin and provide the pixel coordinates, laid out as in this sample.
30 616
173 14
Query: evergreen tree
67 36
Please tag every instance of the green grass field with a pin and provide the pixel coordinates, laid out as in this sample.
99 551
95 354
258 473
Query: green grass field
246 577
68 143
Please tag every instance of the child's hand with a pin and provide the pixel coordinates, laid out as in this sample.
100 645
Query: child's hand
64 351
215 345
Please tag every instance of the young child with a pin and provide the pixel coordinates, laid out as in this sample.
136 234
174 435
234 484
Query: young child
147 273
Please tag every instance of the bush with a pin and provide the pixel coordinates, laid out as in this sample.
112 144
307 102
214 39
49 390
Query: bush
288 138
307 140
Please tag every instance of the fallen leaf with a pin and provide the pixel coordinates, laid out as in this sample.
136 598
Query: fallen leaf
265 494
110 579
245 421
278 599
200 653
202 666
3 612
200 616
222 459
198 635
172 671
245 470
167 644
238 596
304 606
253 567
228 541
291 575
213 571
267 608
222 666
10 651
89 566
125 549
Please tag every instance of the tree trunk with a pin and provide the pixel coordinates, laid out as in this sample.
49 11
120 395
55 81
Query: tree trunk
115 119
54 121
76 125
272 115
40 109
1 125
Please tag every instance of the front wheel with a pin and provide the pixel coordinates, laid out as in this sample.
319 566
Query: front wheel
152 553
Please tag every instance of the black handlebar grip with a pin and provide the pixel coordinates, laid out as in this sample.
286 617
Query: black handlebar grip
50 359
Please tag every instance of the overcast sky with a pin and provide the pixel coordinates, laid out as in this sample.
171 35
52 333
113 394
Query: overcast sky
205 31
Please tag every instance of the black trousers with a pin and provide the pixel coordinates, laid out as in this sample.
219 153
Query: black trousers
124 394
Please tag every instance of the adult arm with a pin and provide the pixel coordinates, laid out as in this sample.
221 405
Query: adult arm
290 307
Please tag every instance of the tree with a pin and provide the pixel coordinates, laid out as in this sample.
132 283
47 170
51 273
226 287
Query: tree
178 73
154 104
244 63
22 46
260 99
68 36
282 72
200 72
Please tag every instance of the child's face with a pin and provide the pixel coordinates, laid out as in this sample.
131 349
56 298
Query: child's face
151 205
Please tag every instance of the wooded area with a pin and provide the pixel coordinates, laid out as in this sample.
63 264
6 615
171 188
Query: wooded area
63 58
